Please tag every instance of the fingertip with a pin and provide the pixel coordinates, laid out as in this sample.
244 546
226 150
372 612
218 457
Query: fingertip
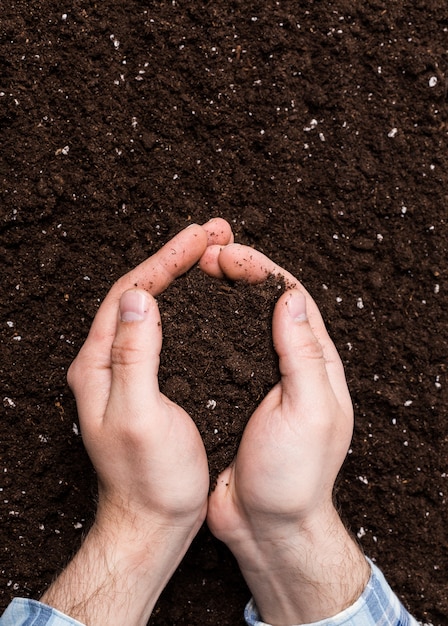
218 231
289 324
137 343
209 262
296 305
194 232
138 306
134 305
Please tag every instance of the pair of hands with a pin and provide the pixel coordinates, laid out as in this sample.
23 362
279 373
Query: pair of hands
273 507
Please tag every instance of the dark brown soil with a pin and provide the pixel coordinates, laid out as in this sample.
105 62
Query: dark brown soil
319 130
215 363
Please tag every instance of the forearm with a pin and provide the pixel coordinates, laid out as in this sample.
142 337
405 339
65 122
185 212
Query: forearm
306 574
117 578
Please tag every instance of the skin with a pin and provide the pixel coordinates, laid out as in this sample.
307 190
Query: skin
273 507
152 468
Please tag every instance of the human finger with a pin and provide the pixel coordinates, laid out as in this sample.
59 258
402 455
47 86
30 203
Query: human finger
135 353
219 232
131 364
219 235
209 261
89 374
159 270
153 275
240 262
310 378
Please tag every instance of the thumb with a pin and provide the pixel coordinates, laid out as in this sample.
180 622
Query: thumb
301 358
135 352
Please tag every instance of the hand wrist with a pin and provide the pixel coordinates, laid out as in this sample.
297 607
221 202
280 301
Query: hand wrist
118 574
303 573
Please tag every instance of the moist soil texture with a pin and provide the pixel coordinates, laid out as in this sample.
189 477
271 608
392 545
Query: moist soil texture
218 360
319 131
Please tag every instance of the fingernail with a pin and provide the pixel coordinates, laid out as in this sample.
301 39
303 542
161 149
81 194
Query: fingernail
133 306
297 306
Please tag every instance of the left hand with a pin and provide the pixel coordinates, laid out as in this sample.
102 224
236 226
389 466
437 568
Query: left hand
152 468
146 450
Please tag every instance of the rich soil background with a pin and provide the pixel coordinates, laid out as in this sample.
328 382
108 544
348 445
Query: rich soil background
319 130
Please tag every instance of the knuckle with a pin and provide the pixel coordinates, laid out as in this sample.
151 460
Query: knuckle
124 353
310 348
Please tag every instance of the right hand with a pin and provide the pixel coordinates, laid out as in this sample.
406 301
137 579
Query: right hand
274 505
